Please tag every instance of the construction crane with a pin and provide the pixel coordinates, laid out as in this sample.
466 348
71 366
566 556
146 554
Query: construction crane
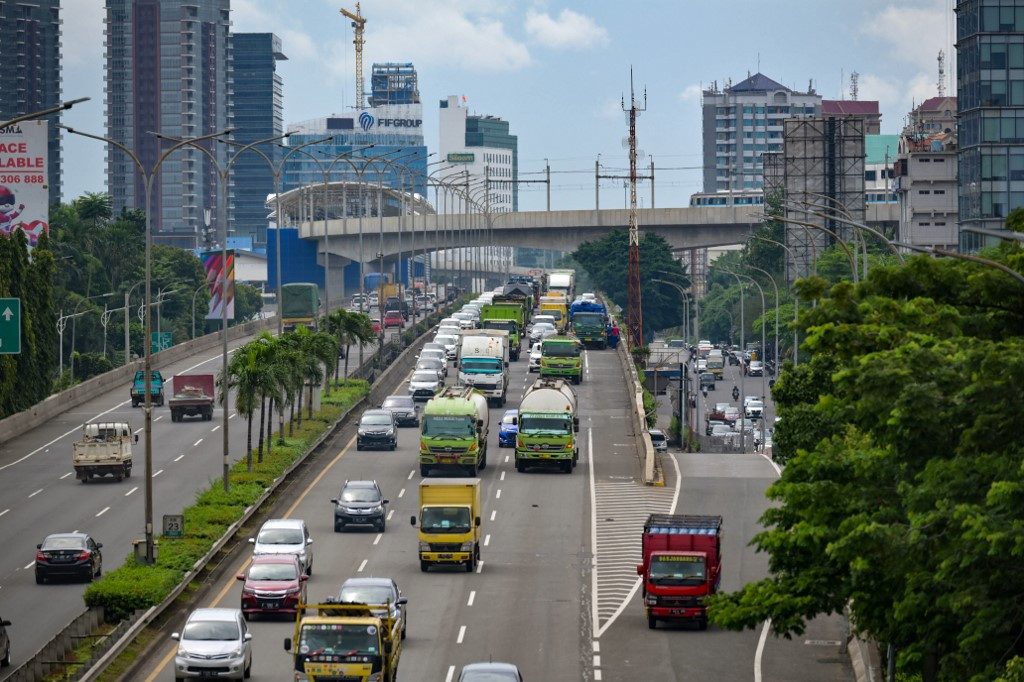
359 24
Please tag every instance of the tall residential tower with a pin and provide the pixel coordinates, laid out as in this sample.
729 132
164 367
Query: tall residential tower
30 69
167 72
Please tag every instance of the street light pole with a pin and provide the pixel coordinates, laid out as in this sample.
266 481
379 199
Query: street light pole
743 346
776 287
46 112
796 304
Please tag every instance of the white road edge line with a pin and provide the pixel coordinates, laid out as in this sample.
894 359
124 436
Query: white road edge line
760 650
362 566
462 634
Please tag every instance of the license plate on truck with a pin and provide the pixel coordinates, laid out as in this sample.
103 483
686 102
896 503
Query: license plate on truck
445 556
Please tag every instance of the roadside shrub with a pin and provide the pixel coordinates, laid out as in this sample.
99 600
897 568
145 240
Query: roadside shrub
129 588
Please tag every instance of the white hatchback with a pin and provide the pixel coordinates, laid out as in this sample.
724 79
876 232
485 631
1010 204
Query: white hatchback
535 355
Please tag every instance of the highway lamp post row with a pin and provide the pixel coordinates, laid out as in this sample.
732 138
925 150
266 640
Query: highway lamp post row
159 306
743 346
388 165
796 306
74 329
62 321
776 288
834 206
148 177
63 106
127 336
408 271
105 320
423 220
684 374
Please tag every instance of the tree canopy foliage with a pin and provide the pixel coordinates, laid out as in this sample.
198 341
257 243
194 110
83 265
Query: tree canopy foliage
903 484
606 262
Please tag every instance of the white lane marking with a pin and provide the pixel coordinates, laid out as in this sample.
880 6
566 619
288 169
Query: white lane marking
462 634
411 474
179 457
196 444
103 511
487 539
115 407
494 512
377 539
480 566
35 493
775 466
157 473
362 566
594 622
597 646
503 475
597 676
66 475
4 512
401 493
506 459
390 513
451 674
472 597
29 566
760 650
138 430
158 418
131 491
597 661
497 495
215 428
232 415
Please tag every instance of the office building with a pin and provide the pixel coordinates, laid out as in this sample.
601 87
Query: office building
741 123
168 66
926 182
257 104
861 108
30 70
932 116
990 99
483 147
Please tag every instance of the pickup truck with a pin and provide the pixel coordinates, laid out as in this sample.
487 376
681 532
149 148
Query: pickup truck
104 449
156 388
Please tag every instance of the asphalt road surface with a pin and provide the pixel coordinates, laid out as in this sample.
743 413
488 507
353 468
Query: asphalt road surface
556 591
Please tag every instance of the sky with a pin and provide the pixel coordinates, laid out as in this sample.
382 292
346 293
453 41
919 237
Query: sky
558 71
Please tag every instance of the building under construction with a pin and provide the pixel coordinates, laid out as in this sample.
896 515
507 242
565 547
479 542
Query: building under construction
821 163
393 83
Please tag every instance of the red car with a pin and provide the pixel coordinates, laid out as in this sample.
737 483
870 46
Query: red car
274 583
376 325
393 318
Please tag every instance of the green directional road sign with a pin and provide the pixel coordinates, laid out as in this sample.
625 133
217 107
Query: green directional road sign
10 326
160 341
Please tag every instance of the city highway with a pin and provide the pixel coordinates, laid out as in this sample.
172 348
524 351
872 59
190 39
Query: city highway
39 494
542 597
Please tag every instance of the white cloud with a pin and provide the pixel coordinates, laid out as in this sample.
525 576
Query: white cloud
298 45
914 34
691 93
570 30
83 24
610 109
248 17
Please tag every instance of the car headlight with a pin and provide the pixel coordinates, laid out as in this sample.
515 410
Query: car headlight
390 432
424 546
652 600
466 546
378 508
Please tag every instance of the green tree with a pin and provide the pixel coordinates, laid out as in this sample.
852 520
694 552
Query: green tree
248 302
904 470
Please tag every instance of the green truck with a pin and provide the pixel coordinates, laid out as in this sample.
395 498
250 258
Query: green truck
300 305
521 294
548 424
510 317
560 358
453 431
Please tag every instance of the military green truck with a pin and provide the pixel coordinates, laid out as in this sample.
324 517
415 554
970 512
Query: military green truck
560 358
453 431
509 316
548 423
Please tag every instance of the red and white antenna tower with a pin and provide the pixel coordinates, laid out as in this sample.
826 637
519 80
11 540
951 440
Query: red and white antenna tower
635 321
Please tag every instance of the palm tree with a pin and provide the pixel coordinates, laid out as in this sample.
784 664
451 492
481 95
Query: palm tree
355 328
242 376
323 347
263 350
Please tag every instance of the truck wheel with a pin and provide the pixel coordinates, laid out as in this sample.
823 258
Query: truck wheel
652 622
135 403
483 460
567 466
424 565
702 624
471 563
520 466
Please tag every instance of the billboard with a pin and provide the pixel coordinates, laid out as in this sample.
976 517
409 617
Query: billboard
24 192
216 275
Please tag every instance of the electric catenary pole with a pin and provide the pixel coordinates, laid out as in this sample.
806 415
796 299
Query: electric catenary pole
635 321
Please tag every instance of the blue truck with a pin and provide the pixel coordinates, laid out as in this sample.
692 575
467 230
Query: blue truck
156 388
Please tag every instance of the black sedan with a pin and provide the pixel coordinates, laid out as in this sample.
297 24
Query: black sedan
68 554
404 409
377 429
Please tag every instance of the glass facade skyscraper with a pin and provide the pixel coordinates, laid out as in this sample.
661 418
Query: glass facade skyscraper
167 71
257 105
30 70
990 122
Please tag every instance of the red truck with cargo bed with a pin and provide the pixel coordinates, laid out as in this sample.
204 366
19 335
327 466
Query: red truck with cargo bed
192 396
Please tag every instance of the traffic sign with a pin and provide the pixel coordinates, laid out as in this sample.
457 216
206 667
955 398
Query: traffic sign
10 326
174 525
160 341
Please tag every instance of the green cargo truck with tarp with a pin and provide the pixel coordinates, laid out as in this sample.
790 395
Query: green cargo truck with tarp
560 358
300 305
548 423
453 431
521 293
589 322
509 316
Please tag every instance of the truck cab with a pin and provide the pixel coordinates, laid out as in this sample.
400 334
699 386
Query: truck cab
343 641
449 523
560 358
156 388
454 431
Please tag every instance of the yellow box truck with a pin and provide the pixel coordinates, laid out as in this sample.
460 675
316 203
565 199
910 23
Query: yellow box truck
449 522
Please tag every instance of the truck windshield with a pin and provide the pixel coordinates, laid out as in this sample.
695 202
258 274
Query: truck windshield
438 426
481 365
677 570
445 520
336 639
560 350
553 312
588 318
715 363
544 425
508 325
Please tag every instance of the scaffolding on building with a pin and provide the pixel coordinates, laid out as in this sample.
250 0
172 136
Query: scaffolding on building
822 163
394 83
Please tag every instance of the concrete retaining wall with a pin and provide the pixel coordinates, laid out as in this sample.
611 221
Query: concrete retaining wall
38 414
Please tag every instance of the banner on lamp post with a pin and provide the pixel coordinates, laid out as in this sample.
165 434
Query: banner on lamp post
217 273
24 184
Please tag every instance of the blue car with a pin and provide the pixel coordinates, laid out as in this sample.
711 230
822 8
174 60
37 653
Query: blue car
507 431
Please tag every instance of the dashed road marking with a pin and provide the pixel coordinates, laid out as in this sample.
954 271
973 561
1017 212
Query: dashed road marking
390 513
362 566
179 457
503 475
497 495
215 428
196 444
35 493
28 566
4 512
157 473
494 512
158 418
451 674
401 493
480 566
103 511
377 539
66 475
472 597
131 491
462 634
138 430
487 539
411 474
233 414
